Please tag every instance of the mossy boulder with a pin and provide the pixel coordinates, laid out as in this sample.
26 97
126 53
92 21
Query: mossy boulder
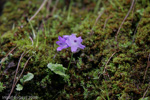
105 69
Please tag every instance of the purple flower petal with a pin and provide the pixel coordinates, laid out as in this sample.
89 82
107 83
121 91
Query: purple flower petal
81 46
61 39
74 48
66 37
59 49
70 41
62 43
79 39
74 43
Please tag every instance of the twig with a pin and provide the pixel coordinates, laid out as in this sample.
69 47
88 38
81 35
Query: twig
133 9
50 15
148 64
108 61
146 91
31 40
54 7
104 71
106 22
124 20
15 76
55 95
136 30
7 56
42 5
99 16
53 10
23 69
92 32
48 7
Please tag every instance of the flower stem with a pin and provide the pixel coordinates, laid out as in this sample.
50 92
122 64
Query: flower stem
70 61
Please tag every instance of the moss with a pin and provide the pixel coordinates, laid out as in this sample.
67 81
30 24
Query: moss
124 72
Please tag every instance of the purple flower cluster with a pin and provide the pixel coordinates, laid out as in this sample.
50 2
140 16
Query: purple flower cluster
70 41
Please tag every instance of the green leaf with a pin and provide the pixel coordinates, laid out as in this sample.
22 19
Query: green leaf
27 77
1 87
21 80
57 69
19 87
98 98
